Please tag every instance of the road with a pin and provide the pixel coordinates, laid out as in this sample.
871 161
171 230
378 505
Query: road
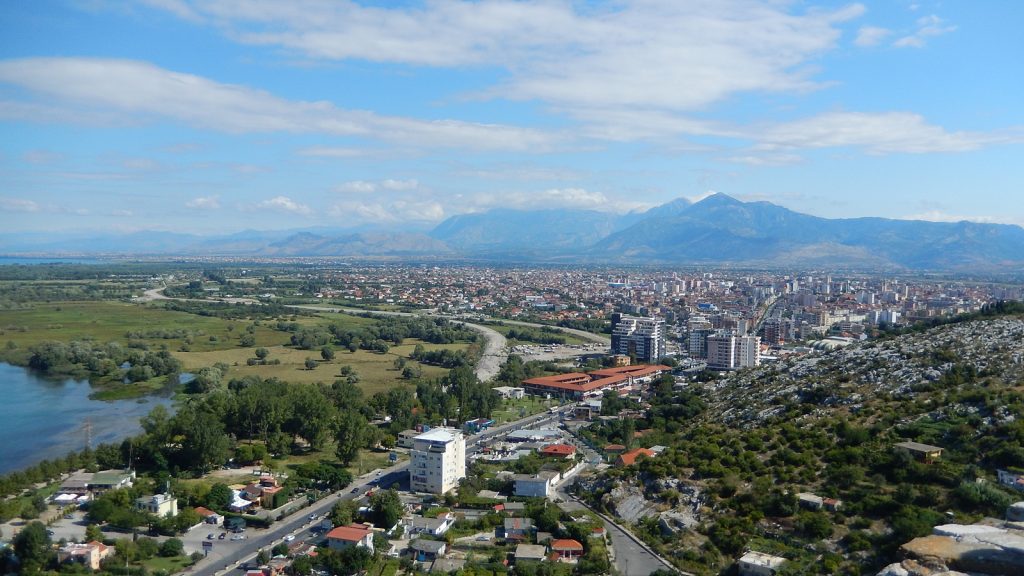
226 554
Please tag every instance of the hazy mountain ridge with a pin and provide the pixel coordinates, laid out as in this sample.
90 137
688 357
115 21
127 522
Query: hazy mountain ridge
718 229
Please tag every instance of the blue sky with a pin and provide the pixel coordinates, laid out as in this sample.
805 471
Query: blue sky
223 115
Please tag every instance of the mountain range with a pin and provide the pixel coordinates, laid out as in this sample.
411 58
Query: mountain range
717 230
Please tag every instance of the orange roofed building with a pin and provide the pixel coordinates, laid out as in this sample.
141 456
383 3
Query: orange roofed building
352 535
576 385
630 458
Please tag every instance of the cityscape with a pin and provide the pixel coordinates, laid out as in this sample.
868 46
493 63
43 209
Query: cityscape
511 288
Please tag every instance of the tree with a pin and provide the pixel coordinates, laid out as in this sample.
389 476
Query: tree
262 353
247 340
172 547
262 557
93 532
343 512
219 497
310 363
350 436
327 353
147 547
32 545
387 508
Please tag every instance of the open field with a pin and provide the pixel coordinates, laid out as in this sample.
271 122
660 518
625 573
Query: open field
376 371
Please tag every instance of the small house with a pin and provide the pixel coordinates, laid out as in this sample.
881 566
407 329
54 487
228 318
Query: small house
922 452
209 516
342 537
558 451
428 550
518 528
160 505
810 501
631 457
567 549
530 552
759 564
89 554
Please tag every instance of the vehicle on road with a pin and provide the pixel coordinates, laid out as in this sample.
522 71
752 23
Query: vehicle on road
238 537
289 538
482 538
209 536
312 516
356 489
222 535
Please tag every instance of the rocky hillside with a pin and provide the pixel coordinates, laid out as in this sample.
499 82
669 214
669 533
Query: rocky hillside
742 447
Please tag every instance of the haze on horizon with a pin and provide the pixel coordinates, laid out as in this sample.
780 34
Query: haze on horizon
220 115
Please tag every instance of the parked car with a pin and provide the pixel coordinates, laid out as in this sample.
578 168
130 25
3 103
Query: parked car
289 538
222 535
209 536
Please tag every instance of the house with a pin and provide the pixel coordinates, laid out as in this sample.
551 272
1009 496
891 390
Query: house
538 485
614 449
510 392
432 526
428 550
567 549
405 438
530 552
269 487
630 458
160 505
518 528
1012 479
559 451
111 480
922 452
832 504
810 501
89 554
759 564
352 535
209 516
513 507
238 502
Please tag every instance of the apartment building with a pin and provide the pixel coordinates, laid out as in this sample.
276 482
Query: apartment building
438 460
639 337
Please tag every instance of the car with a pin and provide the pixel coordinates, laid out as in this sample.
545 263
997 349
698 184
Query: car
222 535
209 536
238 537
289 538
50 532
356 489
312 516
482 538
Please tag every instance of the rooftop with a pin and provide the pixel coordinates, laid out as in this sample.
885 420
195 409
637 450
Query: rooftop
761 559
440 435
350 533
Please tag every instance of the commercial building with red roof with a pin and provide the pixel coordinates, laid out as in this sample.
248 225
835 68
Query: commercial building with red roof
577 385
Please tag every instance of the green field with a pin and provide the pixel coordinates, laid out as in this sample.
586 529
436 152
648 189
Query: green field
201 341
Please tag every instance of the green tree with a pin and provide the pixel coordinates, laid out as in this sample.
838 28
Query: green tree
262 557
32 545
219 497
93 532
387 507
172 547
349 434
327 353
262 353
310 363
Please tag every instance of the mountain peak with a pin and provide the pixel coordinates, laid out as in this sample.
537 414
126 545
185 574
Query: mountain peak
718 199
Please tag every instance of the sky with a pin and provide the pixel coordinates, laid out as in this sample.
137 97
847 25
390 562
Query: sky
215 116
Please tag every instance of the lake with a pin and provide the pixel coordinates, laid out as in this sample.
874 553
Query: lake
43 419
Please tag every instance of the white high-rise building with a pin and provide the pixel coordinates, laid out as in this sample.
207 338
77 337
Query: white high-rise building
438 460
641 337
727 351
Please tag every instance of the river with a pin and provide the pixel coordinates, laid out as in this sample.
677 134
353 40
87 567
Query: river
43 419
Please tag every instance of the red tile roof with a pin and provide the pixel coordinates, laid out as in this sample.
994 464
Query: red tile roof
614 448
558 450
566 544
579 382
629 458
350 533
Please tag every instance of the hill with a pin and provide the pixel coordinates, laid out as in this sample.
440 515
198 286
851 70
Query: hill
741 447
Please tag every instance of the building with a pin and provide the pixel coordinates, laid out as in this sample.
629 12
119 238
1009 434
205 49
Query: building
161 505
530 552
428 550
559 451
352 535
509 393
577 385
438 461
90 554
432 526
759 564
405 438
1011 479
1015 512
111 480
630 458
209 516
727 351
538 485
639 337
567 550
518 528
922 452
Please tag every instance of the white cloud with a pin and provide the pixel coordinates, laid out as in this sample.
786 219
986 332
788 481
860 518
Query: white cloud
328 152
940 216
204 203
871 36
401 210
552 198
877 133
19 205
82 87
693 53
286 204
122 213
927 27
365 187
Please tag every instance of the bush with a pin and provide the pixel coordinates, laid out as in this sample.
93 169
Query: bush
172 547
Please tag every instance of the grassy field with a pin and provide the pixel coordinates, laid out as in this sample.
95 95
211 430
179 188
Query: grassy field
204 341
376 371
515 409
168 565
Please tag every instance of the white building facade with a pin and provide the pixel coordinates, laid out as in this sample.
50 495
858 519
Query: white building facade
438 460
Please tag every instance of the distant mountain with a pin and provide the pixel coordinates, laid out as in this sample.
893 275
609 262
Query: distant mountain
550 231
717 230
723 229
